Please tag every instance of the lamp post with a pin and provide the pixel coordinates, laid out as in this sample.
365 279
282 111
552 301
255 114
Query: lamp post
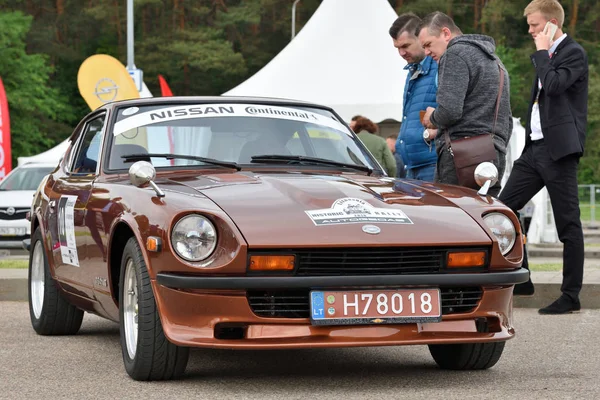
294 18
136 74
130 63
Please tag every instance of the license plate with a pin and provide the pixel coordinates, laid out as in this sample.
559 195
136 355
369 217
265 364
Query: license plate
13 231
375 306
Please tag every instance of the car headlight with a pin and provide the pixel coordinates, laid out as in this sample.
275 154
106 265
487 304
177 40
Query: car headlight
504 230
194 238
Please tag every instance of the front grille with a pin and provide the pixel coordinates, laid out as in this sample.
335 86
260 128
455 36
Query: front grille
460 300
295 304
18 213
288 304
370 261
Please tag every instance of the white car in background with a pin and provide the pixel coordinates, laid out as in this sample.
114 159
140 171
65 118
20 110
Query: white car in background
16 195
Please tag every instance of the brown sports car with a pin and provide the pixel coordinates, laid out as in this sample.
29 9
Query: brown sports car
245 223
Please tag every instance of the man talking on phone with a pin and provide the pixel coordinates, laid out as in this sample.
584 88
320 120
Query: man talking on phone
554 143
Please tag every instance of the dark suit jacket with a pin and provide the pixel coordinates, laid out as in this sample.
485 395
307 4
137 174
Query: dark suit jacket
563 98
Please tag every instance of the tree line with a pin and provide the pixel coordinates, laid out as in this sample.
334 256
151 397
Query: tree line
206 47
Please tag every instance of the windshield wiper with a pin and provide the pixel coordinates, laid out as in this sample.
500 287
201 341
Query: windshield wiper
266 158
168 156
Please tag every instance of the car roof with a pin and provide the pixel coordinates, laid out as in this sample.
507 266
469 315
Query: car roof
211 99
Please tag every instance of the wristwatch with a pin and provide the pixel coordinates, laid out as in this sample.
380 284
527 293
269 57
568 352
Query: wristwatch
426 134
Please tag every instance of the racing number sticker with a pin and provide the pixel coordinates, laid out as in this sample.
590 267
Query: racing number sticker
66 230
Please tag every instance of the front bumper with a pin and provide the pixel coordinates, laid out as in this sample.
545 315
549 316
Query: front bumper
176 281
194 310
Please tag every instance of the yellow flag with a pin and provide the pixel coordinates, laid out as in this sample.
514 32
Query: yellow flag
102 79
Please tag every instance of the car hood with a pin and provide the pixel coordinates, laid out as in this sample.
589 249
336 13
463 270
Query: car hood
16 198
299 210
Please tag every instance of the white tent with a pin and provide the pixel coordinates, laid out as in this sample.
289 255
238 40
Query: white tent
343 58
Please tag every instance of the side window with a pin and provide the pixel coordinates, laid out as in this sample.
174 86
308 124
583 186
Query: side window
87 155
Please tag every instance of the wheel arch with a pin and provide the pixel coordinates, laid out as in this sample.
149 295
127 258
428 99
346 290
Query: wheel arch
122 232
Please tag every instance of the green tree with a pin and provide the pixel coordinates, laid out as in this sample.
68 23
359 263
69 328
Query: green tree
33 105
589 168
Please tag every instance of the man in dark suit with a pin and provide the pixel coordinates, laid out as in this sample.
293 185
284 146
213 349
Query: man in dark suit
554 143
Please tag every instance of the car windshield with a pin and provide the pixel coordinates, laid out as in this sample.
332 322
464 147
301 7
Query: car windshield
233 133
25 178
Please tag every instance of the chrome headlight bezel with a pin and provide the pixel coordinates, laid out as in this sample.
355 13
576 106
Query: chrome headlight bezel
205 231
503 228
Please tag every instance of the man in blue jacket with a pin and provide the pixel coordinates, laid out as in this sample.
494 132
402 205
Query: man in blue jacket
417 152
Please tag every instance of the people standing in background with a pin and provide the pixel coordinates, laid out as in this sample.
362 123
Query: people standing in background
469 84
554 143
353 121
391 142
418 155
366 131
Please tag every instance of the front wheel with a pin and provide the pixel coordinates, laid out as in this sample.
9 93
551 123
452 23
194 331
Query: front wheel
467 356
50 313
147 354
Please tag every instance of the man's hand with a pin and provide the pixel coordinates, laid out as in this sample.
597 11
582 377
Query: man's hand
432 133
426 119
543 41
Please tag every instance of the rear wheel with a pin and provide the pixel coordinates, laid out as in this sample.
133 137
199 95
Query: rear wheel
147 353
467 356
50 313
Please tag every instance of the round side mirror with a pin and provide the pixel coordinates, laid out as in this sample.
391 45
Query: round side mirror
141 173
486 171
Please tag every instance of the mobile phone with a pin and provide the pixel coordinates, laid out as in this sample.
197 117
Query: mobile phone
550 28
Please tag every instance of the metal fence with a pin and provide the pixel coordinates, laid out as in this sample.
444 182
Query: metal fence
587 202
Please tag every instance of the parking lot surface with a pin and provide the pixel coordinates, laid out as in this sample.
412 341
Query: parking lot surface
552 357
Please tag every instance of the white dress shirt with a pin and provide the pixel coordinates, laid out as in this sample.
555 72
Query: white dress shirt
536 124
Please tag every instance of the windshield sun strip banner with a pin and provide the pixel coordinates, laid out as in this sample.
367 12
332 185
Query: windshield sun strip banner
221 110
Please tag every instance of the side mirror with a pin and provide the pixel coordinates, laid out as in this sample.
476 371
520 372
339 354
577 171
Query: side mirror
486 175
142 174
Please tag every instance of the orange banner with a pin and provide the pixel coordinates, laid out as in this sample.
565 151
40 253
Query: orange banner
5 155
102 79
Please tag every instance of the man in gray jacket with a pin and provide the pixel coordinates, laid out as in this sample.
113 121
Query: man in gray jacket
468 87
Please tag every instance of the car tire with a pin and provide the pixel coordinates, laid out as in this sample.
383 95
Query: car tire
50 313
147 353
467 356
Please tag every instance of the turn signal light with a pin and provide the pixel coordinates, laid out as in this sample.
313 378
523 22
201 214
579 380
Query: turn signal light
271 263
466 260
153 244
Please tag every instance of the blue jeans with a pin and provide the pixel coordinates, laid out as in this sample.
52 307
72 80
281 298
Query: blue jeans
424 173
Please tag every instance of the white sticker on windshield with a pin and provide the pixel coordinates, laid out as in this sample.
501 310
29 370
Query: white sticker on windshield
225 110
130 111
353 211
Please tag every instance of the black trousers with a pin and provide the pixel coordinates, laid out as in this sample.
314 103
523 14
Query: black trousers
531 172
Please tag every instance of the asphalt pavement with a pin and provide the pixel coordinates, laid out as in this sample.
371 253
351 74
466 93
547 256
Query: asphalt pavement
551 357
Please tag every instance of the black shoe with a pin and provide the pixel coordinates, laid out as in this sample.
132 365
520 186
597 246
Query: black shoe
524 289
564 305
